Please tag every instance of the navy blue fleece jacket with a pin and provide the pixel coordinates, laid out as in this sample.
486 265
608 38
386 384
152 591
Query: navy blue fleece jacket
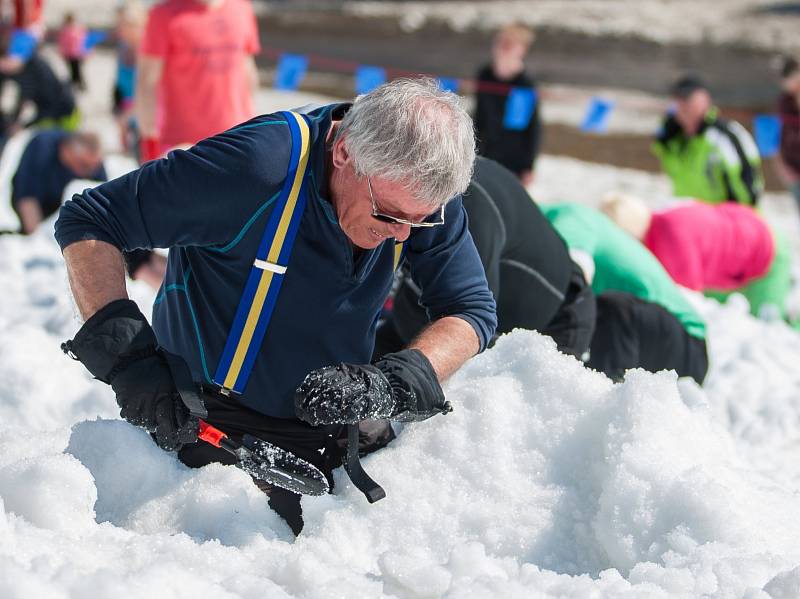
210 205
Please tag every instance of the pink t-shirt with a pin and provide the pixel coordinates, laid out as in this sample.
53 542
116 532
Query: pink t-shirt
71 40
204 85
711 247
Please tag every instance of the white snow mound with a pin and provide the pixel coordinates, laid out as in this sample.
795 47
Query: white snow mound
546 481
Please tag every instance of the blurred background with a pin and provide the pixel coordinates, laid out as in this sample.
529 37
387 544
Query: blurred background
628 52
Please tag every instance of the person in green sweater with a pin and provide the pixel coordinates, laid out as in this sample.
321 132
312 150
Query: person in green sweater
707 157
643 318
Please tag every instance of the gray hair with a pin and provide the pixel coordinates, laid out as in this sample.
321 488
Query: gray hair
411 131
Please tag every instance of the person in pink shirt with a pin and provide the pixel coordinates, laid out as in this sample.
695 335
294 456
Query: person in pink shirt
196 68
716 249
72 47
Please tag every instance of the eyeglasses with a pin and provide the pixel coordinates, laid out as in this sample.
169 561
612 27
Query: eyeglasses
393 220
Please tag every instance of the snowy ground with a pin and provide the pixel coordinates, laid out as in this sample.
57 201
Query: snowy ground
546 481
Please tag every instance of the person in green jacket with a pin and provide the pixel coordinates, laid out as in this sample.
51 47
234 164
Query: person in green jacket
643 318
706 157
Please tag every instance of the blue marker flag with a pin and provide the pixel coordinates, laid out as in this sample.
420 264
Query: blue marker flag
94 38
368 78
597 115
767 129
448 84
22 44
519 108
290 72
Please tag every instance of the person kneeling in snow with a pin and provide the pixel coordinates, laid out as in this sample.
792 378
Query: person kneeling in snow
718 250
643 319
351 182
49 162
534 281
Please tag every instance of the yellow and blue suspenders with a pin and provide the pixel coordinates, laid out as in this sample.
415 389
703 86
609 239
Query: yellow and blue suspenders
266 275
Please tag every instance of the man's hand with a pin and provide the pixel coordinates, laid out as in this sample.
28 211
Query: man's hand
118 347
148 75
401 386
30 214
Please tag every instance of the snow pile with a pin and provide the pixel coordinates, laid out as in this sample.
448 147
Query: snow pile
546 481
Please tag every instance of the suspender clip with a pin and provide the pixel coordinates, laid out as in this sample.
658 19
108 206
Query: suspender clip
264 265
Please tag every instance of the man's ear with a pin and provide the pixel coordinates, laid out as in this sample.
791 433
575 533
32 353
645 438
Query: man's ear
339 153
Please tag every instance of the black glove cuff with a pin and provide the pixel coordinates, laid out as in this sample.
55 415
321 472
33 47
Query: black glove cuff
114 336
415 386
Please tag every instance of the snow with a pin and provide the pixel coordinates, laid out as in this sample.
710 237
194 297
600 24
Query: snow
546 481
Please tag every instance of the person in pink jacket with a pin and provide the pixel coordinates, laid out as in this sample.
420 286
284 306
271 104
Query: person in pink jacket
72 47
717 249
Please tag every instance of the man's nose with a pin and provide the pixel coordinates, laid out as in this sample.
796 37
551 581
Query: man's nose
400 231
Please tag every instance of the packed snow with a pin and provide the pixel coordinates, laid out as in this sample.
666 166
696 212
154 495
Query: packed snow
546 481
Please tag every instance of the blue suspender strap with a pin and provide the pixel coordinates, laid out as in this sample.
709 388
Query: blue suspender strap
269 268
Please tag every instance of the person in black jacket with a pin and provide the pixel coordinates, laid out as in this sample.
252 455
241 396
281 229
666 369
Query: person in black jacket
535 283
38 85
51 160
789 111
515 149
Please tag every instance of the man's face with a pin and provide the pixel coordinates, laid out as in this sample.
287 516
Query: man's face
691 110
351 199
10 65
791 84
81 159
507 56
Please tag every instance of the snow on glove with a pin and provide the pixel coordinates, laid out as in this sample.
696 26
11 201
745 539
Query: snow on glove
401 386
118 346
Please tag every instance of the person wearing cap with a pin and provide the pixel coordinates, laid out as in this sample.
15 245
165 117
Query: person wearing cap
789 111
708 158
284 234
717 250
643 318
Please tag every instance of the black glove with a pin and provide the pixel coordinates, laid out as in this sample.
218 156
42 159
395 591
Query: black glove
400 386
118 346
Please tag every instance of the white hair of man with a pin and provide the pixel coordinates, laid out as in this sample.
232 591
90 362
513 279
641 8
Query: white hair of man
411 131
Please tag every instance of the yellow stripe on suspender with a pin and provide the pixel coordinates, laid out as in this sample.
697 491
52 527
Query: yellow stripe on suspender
398 253
274 252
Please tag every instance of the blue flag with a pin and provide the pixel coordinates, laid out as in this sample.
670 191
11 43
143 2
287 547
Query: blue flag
519 108
368 78
94 38
290 72
767 129
448 84
597 115
22 44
